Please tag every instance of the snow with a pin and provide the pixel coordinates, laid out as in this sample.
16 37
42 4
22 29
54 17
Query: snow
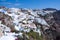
14 9
1 10
34 13
31 17
7 38
27 30
9 34
17 28
41 21
7 29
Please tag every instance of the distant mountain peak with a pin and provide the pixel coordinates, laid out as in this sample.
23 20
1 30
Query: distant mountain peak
49 9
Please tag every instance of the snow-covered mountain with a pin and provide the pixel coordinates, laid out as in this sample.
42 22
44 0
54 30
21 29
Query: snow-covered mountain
16 19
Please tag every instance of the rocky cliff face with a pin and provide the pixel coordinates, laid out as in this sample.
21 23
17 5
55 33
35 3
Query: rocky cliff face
54 22
6 20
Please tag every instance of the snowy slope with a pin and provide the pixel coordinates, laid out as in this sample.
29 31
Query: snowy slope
23 21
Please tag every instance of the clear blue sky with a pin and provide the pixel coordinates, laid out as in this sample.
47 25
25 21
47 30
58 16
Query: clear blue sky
34 4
